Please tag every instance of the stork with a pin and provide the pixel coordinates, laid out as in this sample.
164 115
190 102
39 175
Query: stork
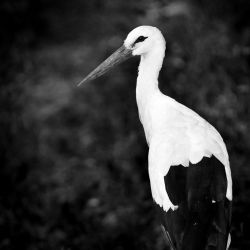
188 163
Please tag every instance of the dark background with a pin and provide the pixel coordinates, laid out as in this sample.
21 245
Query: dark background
73 169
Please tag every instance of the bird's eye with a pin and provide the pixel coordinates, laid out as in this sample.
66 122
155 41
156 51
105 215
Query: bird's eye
140 39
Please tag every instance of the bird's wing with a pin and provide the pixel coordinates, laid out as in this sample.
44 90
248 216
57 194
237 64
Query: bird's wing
202 220
204 139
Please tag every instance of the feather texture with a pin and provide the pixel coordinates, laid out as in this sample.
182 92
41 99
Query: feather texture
203 218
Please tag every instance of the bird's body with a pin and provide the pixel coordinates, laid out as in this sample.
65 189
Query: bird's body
188 162
176 135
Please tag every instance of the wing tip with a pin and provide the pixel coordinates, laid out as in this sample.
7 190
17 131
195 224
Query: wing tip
167 238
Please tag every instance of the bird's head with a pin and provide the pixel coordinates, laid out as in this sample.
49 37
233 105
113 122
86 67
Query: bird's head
143 39
140 41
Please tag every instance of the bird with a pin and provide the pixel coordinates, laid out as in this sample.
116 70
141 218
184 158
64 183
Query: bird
188 163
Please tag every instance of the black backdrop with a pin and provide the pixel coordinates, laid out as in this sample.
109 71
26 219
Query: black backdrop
74 160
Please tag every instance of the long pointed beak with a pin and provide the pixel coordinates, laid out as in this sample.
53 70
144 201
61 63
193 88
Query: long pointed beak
116 58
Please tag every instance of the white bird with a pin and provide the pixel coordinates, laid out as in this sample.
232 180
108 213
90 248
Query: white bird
188 163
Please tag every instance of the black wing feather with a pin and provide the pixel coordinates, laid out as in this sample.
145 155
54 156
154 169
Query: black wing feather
198 223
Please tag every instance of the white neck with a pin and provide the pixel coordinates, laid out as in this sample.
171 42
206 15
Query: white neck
149 68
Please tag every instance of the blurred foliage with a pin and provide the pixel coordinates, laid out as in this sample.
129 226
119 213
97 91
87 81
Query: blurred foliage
74 160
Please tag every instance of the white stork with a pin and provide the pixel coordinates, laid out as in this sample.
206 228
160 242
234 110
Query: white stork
188 163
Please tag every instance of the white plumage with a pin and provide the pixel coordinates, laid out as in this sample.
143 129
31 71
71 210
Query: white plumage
175 134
